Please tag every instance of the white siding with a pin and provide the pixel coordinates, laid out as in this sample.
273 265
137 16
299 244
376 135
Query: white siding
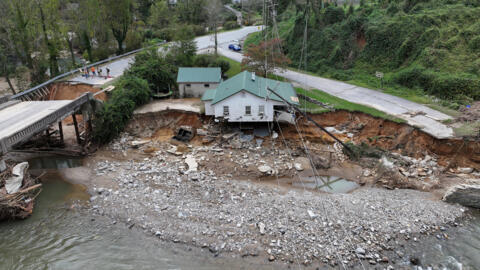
237 104
209 109
195 89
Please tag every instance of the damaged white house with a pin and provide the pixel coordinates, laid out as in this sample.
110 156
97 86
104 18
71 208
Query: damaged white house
245 98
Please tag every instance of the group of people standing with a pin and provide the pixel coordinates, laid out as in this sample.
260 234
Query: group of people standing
92 71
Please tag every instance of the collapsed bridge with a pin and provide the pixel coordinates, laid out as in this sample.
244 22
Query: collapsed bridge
22 117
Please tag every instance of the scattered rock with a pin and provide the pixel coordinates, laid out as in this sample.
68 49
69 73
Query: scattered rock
265 169
298 167
261 226
360 251
465 170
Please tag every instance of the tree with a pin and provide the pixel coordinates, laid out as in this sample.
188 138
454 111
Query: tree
184 48
52 36
265 57
6 66
21 29
214 8
90 26
160 15
119 16
192 11
152 67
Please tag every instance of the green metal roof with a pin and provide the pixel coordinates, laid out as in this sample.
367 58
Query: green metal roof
257 87
199 75
209 94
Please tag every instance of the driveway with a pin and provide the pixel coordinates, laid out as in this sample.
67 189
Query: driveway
415 114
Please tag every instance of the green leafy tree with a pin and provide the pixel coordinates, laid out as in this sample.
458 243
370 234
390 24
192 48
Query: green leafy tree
51 30
119 16
160 15
184 47
151 66
130 92
21 29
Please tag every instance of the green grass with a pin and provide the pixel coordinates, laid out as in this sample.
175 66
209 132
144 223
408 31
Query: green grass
468 129
235 66
340 104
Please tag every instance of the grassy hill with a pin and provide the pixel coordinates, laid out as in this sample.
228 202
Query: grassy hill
424 47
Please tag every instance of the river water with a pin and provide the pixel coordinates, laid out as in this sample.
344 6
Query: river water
58 236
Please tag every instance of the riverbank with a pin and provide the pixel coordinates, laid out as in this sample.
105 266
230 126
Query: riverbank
149 185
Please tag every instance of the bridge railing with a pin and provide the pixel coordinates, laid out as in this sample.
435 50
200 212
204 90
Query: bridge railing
72 72
8 142
4 99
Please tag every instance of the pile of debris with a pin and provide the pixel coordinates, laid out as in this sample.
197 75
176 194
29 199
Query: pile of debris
18 191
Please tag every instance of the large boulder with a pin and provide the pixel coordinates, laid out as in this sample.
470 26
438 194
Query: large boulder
466 195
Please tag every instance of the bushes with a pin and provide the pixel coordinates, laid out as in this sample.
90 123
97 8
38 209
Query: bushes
153 68
474 44
113 117
448 86
204 60
231 25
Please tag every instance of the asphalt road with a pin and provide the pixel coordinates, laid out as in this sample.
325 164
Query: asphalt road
21 115
203 43
415 114
428 120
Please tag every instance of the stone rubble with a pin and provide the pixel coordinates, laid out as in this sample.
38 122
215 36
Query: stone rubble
164 196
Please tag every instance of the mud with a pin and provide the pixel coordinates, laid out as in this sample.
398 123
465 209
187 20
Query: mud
391 136
68 91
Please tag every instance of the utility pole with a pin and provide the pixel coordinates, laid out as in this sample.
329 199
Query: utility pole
311 120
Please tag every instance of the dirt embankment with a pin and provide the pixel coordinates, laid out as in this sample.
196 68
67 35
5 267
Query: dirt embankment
377 132
67 91
392 136
161 126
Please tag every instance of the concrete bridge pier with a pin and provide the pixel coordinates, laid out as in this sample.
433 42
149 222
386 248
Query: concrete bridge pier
3 165
77 133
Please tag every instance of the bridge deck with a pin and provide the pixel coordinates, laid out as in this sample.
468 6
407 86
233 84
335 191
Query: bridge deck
24 114
20 121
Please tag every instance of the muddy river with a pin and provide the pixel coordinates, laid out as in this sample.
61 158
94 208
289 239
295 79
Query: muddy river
59 236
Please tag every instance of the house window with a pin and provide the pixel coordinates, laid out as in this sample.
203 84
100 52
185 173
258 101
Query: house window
226 111
248 110
261 109
207 85
188 85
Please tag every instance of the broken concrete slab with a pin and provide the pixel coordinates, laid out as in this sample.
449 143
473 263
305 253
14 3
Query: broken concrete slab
14 183
174 151
464 194
465 170
202 132
229 136
139 143
192 163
